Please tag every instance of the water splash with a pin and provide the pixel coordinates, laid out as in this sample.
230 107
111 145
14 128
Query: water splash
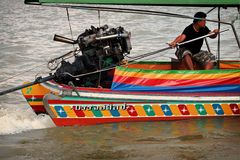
16 120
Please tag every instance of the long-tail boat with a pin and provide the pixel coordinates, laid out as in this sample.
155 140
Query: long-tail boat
137 90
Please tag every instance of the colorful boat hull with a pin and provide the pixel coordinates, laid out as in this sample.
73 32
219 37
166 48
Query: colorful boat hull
67 111
87 106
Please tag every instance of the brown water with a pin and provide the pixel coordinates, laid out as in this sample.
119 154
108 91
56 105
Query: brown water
26 44
214 138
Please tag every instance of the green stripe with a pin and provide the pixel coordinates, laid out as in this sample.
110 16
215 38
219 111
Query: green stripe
152 62
145 2
97 113
149 111
179 71
229 62
201 110
35 100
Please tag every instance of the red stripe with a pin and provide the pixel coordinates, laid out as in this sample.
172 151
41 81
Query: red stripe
131 110
183 109
38 109
234 108
176 82
79 113
94 121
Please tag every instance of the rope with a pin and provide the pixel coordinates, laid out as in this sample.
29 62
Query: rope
11 77
63 57
69 23
99 18
211 10
107 69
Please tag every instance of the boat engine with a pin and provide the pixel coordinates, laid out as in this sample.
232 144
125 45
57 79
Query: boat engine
101 48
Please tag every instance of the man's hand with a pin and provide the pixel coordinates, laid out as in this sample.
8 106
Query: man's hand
179 39
216 32
172 44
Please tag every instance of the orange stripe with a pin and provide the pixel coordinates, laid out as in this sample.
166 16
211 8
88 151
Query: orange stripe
54 111
140 110
226 109
157 109
209 109
123 113
175 110
88 113
35 103
106 113
151 66
175 76
70 112
192 109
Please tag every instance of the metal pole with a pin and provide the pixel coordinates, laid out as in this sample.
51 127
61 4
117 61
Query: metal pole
218 64
37 81
208 47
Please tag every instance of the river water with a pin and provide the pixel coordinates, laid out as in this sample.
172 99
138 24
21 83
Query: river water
25 47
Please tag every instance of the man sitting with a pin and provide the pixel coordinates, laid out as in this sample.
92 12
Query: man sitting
190 52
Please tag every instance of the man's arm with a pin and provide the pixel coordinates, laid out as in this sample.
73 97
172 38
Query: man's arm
179 39
216 31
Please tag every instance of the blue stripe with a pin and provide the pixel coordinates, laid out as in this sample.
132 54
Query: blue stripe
219 88
166 110
60 111
115 113
218 109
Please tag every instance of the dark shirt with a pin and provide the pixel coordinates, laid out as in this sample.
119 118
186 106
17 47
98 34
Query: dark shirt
190 33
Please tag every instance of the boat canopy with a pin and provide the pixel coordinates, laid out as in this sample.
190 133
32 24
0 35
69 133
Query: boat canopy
229 3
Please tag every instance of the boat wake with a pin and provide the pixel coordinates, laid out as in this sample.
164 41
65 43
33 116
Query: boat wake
16 120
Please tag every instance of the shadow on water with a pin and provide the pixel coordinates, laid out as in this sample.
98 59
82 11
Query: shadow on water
186 139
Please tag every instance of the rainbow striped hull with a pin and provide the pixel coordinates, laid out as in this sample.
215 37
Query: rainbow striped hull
88 106
75 110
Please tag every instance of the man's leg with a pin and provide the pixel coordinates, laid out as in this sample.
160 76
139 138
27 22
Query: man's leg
187 61
208 65
206 59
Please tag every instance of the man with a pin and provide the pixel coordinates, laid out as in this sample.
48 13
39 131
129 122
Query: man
190 52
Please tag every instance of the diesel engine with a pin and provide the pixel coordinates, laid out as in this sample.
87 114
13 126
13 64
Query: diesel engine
101 48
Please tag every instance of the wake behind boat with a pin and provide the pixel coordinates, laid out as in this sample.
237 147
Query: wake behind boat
102 87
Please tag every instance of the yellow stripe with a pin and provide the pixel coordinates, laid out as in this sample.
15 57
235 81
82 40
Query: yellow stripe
175 76
226 109
106 113
123 113
192 109
70 112
157 109
35 103
54 111
209 109
230 66
36 89
140 111
175 110
88 113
